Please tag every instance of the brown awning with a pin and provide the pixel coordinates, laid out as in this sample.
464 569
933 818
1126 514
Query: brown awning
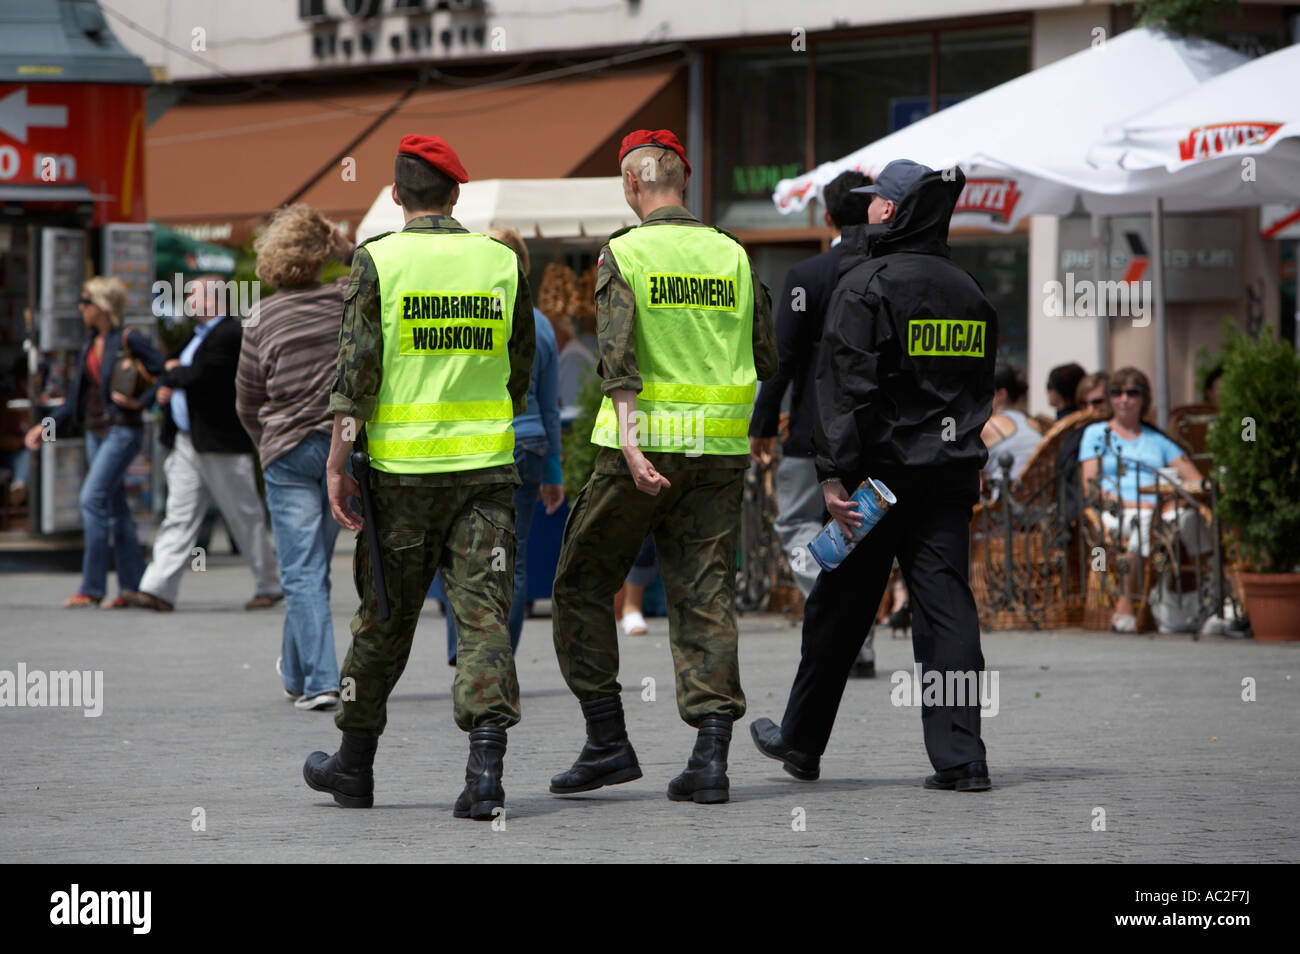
234 163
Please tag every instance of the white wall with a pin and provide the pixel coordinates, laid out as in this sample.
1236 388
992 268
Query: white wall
245 37
1053 341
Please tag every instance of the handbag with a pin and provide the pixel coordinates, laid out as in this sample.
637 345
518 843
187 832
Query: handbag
130 376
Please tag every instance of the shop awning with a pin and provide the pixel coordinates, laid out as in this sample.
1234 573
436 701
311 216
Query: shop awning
237 162
176 252
538 208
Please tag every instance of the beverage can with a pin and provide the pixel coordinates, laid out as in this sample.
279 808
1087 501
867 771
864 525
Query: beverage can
830 547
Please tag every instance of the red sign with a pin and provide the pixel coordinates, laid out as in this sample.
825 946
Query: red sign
1206 142
60 135
995 198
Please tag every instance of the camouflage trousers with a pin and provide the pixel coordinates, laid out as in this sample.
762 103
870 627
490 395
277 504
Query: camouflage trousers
696 526
467 531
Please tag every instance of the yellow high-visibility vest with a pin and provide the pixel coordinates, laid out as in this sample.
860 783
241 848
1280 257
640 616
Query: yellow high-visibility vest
447 303
694 341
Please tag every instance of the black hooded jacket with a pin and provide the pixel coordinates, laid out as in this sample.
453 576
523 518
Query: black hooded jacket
905 371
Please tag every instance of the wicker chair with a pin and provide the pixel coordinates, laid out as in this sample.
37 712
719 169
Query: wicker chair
1189 425
1102 587
1050 587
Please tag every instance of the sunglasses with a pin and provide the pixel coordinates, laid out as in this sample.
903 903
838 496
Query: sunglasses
1095 402
85 301
1134 393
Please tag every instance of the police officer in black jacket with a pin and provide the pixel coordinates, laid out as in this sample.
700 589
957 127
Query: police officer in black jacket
800 317
904 385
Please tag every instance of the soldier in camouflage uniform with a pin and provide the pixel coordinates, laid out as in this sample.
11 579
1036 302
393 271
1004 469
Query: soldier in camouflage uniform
458 521
690 502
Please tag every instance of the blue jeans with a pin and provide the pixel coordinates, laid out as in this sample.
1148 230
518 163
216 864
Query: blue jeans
530 459
304 542
105 515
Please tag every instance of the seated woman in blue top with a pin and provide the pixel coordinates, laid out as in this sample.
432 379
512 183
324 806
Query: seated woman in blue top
1100 450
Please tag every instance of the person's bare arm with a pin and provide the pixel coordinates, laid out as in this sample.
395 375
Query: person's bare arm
648 480
339 483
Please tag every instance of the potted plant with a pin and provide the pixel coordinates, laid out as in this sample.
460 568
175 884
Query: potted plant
1254 446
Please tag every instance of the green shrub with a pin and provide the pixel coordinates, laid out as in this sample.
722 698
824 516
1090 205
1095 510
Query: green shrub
579 451
1255 444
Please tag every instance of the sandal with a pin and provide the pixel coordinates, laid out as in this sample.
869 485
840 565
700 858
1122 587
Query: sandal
79 600
117 602
1123 623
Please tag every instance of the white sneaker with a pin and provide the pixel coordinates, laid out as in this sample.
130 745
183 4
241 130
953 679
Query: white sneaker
291 696
325 700
634 624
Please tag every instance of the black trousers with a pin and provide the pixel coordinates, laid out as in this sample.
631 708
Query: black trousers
928 530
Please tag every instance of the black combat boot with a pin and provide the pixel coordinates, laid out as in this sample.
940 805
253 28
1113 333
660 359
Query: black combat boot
347 774
705 779
607 758
483 792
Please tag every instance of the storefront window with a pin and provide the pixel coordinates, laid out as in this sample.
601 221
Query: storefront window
868 89
759 123
1001 266
972 61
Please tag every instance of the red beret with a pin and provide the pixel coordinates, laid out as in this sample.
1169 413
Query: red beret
663 138
436 153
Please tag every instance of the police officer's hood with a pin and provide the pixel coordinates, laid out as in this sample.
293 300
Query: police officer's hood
919 225
885 398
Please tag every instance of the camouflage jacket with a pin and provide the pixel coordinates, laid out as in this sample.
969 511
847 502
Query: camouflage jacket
361 349
615 324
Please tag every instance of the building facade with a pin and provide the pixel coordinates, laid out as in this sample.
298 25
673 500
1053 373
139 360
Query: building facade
269 103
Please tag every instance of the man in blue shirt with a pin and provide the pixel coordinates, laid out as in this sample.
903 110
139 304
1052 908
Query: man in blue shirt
211 459
537 452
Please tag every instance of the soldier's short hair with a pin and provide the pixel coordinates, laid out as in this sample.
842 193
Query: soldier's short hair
660 168
420 187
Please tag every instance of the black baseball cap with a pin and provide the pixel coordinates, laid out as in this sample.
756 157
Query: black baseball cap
896 179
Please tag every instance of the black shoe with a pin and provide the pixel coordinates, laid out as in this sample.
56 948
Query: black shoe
971 777
483 793
862 670
767 736
348 774
705 779
607 758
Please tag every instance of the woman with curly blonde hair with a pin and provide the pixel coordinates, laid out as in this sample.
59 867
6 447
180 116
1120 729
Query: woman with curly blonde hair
286 369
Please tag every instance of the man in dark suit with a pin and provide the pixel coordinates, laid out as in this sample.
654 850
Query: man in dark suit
211 459
800 315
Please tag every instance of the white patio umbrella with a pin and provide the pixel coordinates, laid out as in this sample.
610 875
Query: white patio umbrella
1200 138
1023 145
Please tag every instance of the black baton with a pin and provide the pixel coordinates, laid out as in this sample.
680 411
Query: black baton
361 474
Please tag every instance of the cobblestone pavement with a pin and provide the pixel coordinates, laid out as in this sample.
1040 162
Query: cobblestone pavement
1154 731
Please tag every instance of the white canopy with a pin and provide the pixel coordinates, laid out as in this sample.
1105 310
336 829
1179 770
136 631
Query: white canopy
538 208
1190 149
1023 145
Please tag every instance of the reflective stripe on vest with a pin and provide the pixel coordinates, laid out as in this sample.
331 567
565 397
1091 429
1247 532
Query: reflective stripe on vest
447 303
694 341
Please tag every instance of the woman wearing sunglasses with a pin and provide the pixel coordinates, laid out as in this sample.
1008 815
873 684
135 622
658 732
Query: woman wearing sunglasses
1125 436
114 434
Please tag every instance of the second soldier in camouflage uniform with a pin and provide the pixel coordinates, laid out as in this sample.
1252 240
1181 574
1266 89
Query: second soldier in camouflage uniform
458 521
691 503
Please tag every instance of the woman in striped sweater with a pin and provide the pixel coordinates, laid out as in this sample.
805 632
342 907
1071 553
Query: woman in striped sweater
286 370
